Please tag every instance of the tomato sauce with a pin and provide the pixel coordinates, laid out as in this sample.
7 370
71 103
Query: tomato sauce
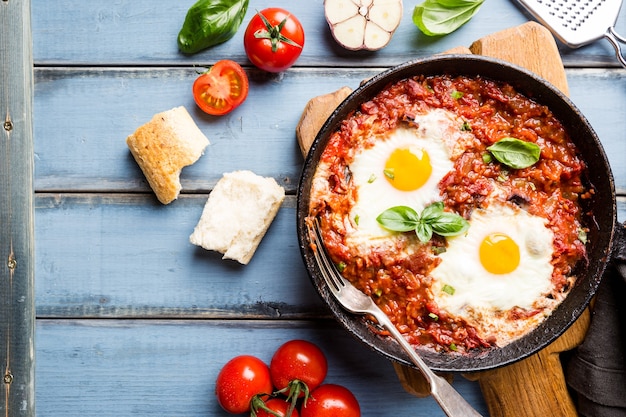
551 189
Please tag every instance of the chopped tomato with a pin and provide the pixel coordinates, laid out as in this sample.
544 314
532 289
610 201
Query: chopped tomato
222 88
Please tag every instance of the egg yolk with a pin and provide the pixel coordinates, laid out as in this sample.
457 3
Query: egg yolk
408 171
499 254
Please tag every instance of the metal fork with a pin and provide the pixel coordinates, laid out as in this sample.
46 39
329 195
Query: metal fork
355 301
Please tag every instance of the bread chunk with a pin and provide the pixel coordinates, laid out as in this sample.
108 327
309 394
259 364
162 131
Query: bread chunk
163 147
237 214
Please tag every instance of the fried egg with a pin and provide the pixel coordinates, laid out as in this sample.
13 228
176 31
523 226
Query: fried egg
402 169
502 262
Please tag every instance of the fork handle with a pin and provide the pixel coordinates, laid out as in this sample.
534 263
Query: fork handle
449 399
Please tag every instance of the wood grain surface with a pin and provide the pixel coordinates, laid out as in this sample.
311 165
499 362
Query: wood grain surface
131 318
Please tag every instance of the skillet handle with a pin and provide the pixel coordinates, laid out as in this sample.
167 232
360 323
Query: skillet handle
535 386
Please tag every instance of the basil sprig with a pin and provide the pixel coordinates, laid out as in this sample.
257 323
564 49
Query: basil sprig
515 153
440 17
432 220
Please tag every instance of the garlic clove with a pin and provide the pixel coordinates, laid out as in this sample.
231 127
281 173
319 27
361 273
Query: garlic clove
350 32
340 10
375 37
386 14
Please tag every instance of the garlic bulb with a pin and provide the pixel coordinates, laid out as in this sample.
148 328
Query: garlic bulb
363 24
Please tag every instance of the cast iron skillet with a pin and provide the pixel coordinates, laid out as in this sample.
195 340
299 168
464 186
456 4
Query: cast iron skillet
602 239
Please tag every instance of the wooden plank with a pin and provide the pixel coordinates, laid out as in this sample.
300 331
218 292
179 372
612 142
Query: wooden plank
131 32
168 368
81 147
128 256
17 317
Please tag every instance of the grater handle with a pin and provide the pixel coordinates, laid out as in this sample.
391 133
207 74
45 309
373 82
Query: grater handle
616 40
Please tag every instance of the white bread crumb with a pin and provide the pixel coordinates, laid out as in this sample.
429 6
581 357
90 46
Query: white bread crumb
163 146
237 214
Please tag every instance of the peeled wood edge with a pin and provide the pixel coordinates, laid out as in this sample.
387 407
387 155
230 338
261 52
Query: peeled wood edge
540 53
17 235
315 113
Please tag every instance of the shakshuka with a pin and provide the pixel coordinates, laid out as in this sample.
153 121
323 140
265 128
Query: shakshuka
454 202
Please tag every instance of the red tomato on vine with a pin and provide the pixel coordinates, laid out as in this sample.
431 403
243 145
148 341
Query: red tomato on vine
299 366
278 406
273 39
330 400
241 379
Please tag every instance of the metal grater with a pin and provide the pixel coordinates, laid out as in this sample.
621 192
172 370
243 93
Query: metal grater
579 22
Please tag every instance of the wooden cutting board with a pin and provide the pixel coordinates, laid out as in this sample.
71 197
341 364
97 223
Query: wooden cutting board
533 387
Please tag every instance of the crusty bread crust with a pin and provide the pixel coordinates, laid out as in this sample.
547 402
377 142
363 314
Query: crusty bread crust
163 147
237 214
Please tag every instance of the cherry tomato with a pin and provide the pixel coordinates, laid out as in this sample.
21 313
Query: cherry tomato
240 379
222 88
278 406
273 39
297 362
330 400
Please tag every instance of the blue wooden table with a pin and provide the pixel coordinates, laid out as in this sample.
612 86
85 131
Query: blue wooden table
132 319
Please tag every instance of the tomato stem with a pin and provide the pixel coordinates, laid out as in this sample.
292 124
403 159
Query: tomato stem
257 403
294 389
273 33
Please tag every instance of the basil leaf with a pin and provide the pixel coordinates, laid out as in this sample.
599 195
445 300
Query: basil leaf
440 17
210 22
399 219
431 212
450 224
515 153
424 232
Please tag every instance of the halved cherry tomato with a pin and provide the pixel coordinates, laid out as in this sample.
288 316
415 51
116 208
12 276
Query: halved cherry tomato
240 379
298 365
331 400
222 88
273 39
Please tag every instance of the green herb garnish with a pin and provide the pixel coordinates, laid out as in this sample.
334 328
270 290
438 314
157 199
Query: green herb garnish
432 220
448 289
438 250
341 266
433 316
457 94
515 153
440 17
465 127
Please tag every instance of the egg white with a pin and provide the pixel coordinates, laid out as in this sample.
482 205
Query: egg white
476 289
375 194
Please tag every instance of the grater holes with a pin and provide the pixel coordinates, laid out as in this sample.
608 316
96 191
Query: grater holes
572 14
